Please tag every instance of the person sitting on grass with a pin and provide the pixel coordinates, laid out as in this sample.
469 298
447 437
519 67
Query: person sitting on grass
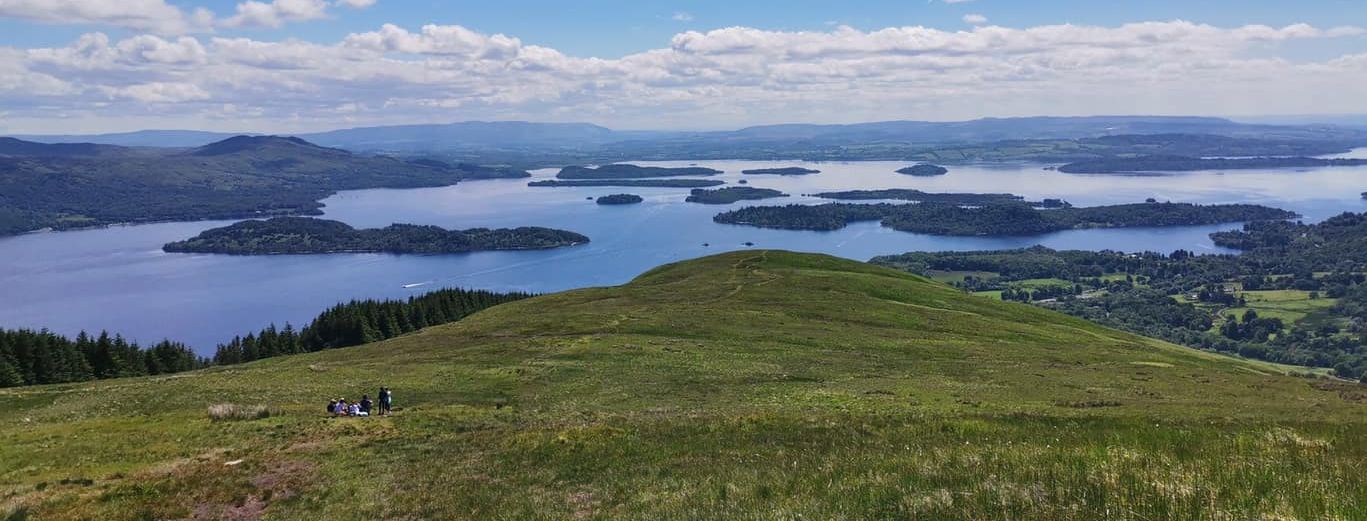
341 407
354 409
365 405
332 406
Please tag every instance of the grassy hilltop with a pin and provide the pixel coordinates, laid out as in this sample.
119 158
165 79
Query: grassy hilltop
749 385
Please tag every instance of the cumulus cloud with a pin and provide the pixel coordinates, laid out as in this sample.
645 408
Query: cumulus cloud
159 17
160 92
145 15
724 77
276 13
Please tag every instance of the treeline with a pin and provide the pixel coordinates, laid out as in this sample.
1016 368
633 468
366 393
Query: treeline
1002 219
297 235
361 322
29 357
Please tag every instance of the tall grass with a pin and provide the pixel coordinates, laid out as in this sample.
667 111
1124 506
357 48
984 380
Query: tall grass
235 412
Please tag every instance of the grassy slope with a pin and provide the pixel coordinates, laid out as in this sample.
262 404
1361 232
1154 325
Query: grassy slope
755 384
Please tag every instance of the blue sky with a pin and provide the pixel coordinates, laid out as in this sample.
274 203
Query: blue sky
619 27
307 64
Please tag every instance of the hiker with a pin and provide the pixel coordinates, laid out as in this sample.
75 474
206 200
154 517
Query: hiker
365 405
341 407
386 400
332 406
354 409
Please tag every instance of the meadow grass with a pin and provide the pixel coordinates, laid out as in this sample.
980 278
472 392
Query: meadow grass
958 276
1289 305
750 385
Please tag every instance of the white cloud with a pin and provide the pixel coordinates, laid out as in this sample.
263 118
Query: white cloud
975 19
725 77
159 17
276 13
145 15
682 17
161 92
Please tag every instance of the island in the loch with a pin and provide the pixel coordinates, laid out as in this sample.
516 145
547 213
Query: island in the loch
924 170
1013 219
630 183
627 171
1364 195
305 235
619 199
732 194
966 199
792 170
1127 165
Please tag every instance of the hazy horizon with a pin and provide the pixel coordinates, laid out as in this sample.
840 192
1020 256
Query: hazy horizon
1270 119
295 66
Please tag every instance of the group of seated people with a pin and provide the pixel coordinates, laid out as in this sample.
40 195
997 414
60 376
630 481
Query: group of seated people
343 407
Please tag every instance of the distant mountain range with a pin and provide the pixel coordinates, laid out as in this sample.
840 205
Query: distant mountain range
513 135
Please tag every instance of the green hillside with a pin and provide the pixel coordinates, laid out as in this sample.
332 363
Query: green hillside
749 385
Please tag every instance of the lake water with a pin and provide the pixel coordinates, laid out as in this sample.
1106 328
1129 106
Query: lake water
119 279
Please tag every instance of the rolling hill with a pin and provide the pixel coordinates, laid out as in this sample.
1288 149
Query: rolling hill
63 186
747 385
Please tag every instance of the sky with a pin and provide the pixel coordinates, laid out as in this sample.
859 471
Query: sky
92 66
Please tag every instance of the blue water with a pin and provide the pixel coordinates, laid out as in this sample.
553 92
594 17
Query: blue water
119 279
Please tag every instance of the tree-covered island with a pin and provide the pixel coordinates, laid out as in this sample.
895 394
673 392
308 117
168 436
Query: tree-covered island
619 199
792 170
305 235
966 199
732 194
626 171
1008 219
924 170
629 183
